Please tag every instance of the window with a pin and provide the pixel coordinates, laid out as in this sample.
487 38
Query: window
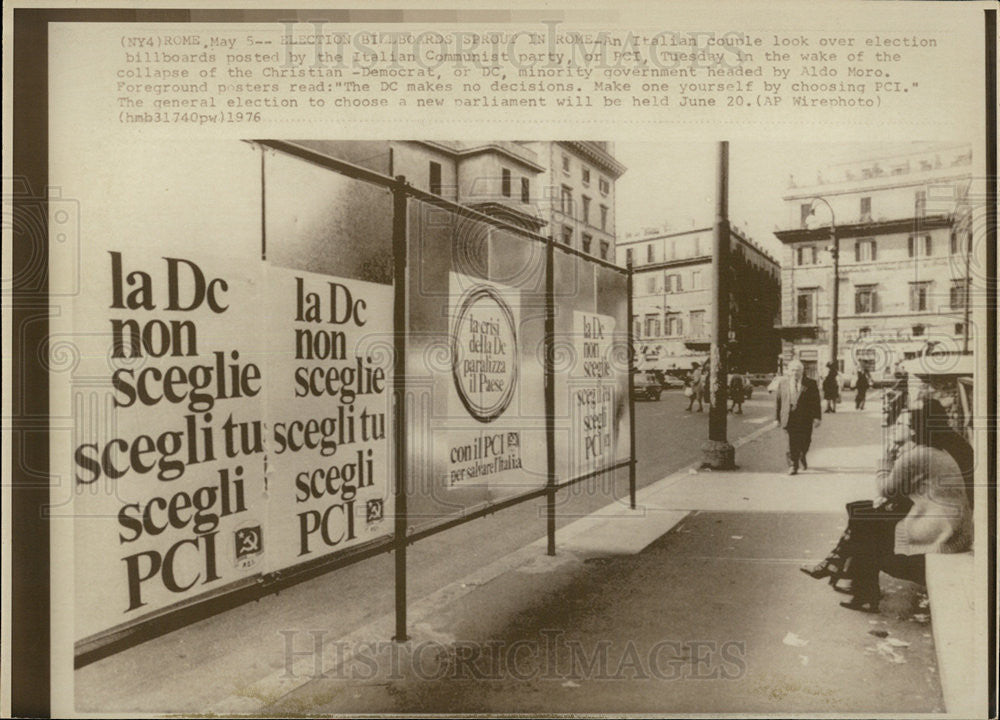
672 249
866 208
604 217
696 279
628 257
673 283
865 300
675 325
567 235
505 182
585 173
586 242
864 332
652 326
604 185
918 296
605 249
649 253
960 328
567 200
697 246
436 178
919 203
918 331
957 293
525 190
805 307
652 284
565 163
586 209
805 255
697 323
920 246
805 210
864 251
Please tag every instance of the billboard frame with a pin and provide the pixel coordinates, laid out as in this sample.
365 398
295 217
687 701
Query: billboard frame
260 585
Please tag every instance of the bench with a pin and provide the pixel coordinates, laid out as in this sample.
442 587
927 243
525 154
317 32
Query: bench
951 594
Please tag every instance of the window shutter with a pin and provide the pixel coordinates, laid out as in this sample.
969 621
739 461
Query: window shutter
679 284
857 252
680 326
928 245
909 246
874 250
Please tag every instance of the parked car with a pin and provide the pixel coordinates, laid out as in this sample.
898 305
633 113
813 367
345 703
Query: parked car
668 381
760 379
645 386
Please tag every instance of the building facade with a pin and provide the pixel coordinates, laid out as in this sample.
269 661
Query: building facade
501 179
672 300
561 189
579 194
904 236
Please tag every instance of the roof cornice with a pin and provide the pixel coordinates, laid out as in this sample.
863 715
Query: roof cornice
881 227
597 156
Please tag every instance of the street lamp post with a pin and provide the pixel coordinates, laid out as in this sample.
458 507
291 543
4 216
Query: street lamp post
717 453
835 255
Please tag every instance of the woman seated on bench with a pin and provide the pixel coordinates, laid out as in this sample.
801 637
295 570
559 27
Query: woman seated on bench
925 488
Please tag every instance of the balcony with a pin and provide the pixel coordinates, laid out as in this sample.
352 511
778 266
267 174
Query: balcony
799 331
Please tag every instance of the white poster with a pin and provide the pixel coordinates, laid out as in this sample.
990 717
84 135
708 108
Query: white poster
484 445
328 412
593 385
167 456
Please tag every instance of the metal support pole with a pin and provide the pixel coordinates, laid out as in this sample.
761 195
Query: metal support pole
631 388
835 313
399 400
718 454
550 395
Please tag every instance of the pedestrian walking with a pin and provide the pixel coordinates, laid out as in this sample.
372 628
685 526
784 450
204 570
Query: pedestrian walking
797 408
737 392
831 393
696 384
861 385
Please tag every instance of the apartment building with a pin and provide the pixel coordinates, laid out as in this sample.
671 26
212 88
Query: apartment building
561 189
672 299
579 194
904 235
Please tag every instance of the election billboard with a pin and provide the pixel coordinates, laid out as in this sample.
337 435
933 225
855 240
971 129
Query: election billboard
159 475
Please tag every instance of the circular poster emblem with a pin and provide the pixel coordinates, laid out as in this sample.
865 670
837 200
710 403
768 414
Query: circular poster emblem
484 353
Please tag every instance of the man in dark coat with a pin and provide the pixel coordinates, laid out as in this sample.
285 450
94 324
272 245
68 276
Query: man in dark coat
797 408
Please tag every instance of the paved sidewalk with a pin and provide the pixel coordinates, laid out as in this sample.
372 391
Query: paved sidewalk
693 603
